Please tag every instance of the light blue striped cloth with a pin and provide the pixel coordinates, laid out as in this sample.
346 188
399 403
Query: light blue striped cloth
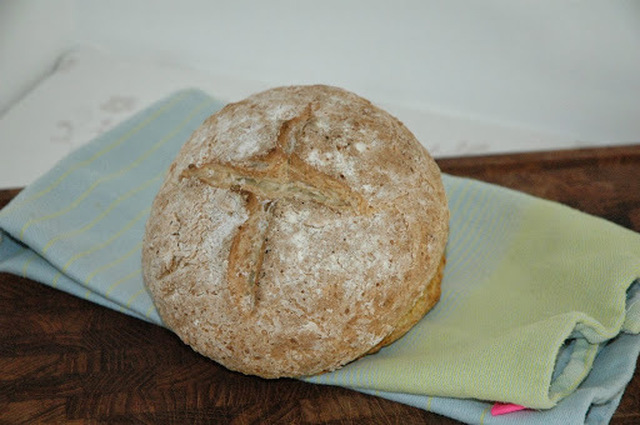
79 228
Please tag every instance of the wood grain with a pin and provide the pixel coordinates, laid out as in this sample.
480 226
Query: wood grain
66 360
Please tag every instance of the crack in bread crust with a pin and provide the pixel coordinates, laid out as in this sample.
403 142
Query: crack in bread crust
247 253
280 174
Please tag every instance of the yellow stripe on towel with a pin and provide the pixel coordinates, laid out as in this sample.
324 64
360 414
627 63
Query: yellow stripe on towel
101 245
103 214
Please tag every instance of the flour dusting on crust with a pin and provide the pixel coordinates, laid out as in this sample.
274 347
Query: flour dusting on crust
352 230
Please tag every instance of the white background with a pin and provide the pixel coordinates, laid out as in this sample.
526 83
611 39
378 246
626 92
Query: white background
499 75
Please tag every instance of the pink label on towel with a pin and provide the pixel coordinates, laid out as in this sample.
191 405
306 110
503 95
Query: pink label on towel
504 408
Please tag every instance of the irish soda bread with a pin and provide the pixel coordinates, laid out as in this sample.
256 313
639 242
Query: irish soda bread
296 230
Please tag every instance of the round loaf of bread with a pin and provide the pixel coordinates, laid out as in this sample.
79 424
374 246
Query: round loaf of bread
296 230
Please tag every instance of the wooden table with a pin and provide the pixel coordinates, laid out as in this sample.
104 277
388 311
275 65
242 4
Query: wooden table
63 359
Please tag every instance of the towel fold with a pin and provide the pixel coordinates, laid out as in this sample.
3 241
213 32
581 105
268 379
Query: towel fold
540 303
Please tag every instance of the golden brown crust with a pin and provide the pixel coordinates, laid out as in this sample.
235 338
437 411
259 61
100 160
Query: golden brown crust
424 303
295 231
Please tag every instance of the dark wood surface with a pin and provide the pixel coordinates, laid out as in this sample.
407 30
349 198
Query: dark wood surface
65 360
